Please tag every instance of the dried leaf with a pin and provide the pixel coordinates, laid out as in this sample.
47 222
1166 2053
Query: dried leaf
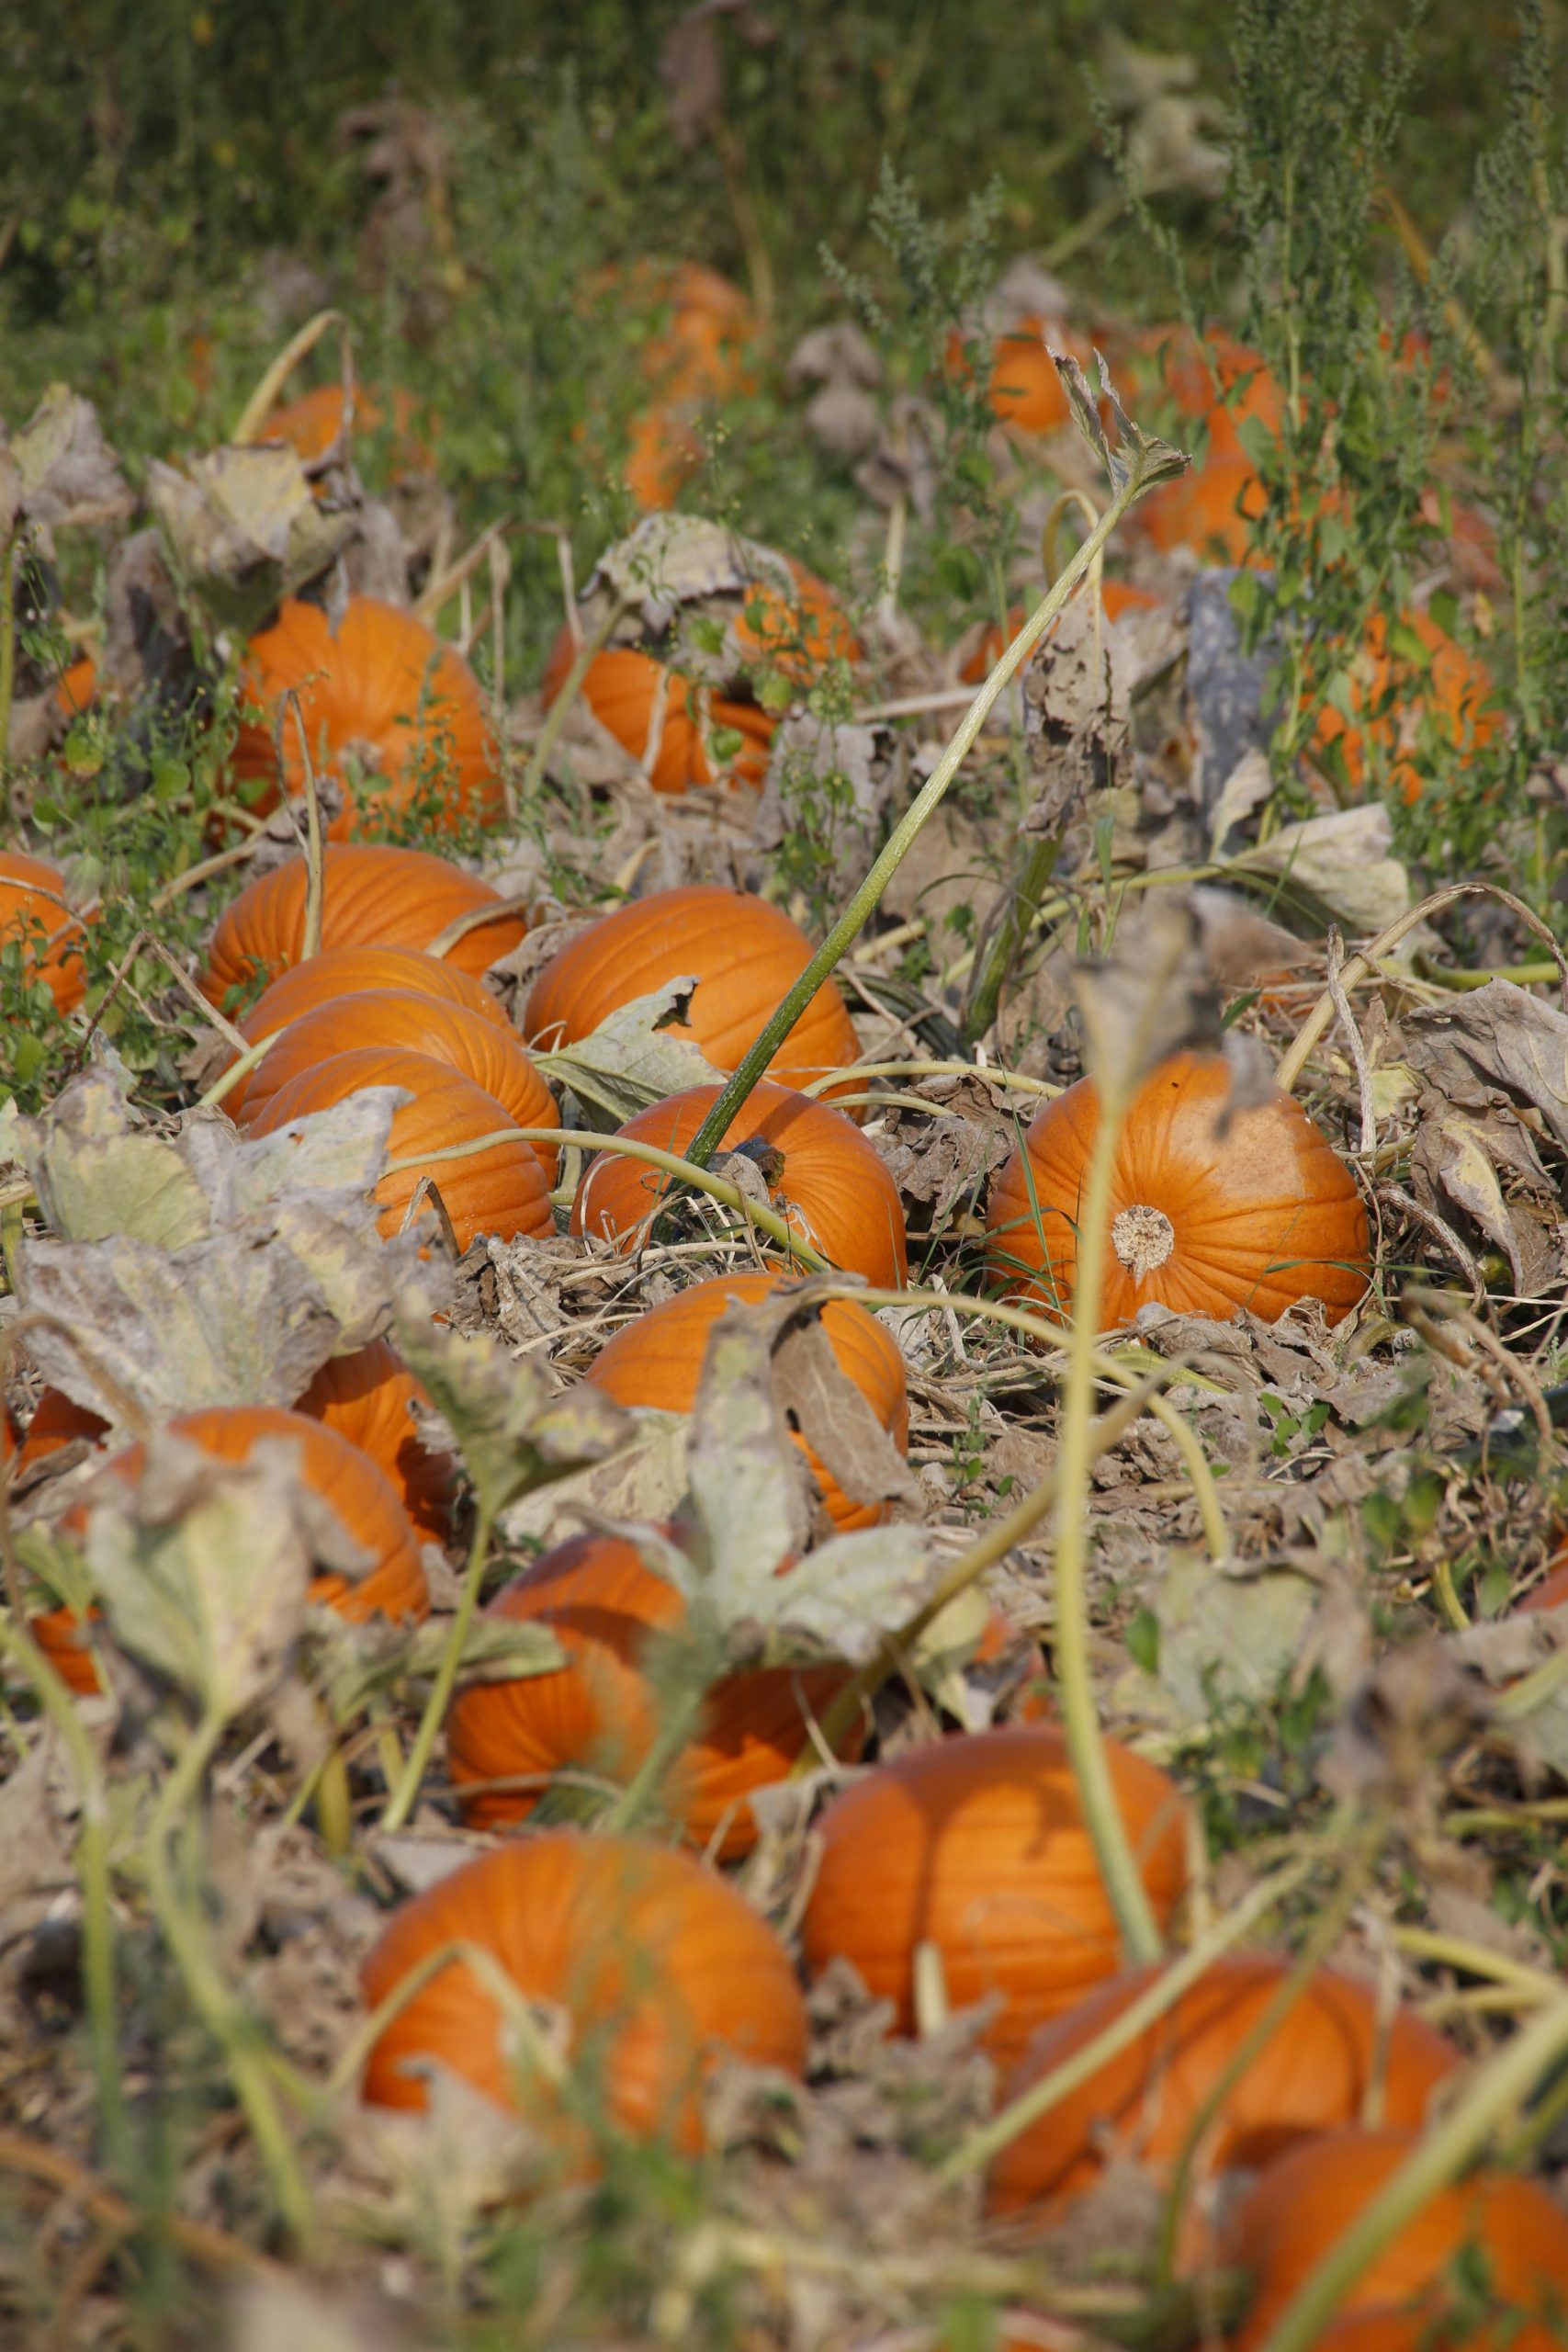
63 472
1135 451
1151 998
245 529
747 1486
1228 1636
642 1054
643 1480
1456 1162
1501 1035
1335 870
514 1430
819 1400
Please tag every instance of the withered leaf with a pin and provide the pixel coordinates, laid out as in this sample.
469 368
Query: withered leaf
817 1398
244 529
1458 1160
642 1053
1502 1036
63 469
1336 868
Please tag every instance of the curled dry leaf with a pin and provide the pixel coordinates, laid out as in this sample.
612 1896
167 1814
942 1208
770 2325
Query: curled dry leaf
515 1429
201 1269
1336 868
245 529
59 471
1140 1006
632 1059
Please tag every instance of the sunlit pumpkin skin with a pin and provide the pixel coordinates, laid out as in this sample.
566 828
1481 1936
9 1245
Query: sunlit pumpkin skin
47 931
797 633
658 1360
978 1845
310 424
665 720
1313 2074
599 1712
56 1424
820 1170
340 972
380 692
1205 1220
1196 375
663 454
352 1485
1210 509
368 1398
1552 1594
744 955
77 687
704 351
371 896
1305 2202
499 1191
662 1967
1456 690
387 1019
1118 597
65 1643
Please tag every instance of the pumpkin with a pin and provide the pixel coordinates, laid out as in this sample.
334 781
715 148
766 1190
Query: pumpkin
702 353
310 424
1206 1217
381 694
795 632
65 1640
1025 391
387 1019
1118 597
346 1480
663 455
499 1191
663 1970
744 955
56 1424
663 719
978 1845
1202 378
371 896
599 1711
1210 509
1313 2074
367 1396
340 972
1303 2204
820 1170
77 686
1552 1594
658 1360
33 917
1455 690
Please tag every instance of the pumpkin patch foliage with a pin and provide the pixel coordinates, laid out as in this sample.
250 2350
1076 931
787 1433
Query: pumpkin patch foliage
784 1523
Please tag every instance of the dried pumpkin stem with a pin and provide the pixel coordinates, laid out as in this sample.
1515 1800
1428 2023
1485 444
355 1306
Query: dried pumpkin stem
263 401
863 904
1494 2096
97 1906
983 2146
406 1794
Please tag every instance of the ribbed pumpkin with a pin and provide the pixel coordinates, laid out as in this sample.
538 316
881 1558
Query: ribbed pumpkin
380 693
30 915
663 1967
367 1396
388 1020
311 424
1025 391
1210 509
347 1480
1455 690
743 953
1313 2074
797 631
1118 597
599 1712
658 1360
978 1845
340 972
1206 1218
371 896
500 1191
1306 2200
664 719
820 1170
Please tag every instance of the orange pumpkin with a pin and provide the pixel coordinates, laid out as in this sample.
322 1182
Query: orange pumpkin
1303 2204
1025 391
1206 1217
658 1360
340 972
664 453
978 1845
310 424
371 896
664 719
599 1712
1313 2074
346 1480
1117 596
1552 1594
744 955
56 1424
381 695
32 915
1456 690
820 1172
368 1396
703 352
385 1018
1210 509
662 1969
797 631
77 687
1198 375
500 1191
65 1643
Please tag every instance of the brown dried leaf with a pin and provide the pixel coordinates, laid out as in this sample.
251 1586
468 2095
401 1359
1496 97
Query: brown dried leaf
1502 1037
245 529
836 1420
63 470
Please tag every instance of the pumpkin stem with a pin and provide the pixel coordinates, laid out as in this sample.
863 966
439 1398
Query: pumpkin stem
1143 1238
